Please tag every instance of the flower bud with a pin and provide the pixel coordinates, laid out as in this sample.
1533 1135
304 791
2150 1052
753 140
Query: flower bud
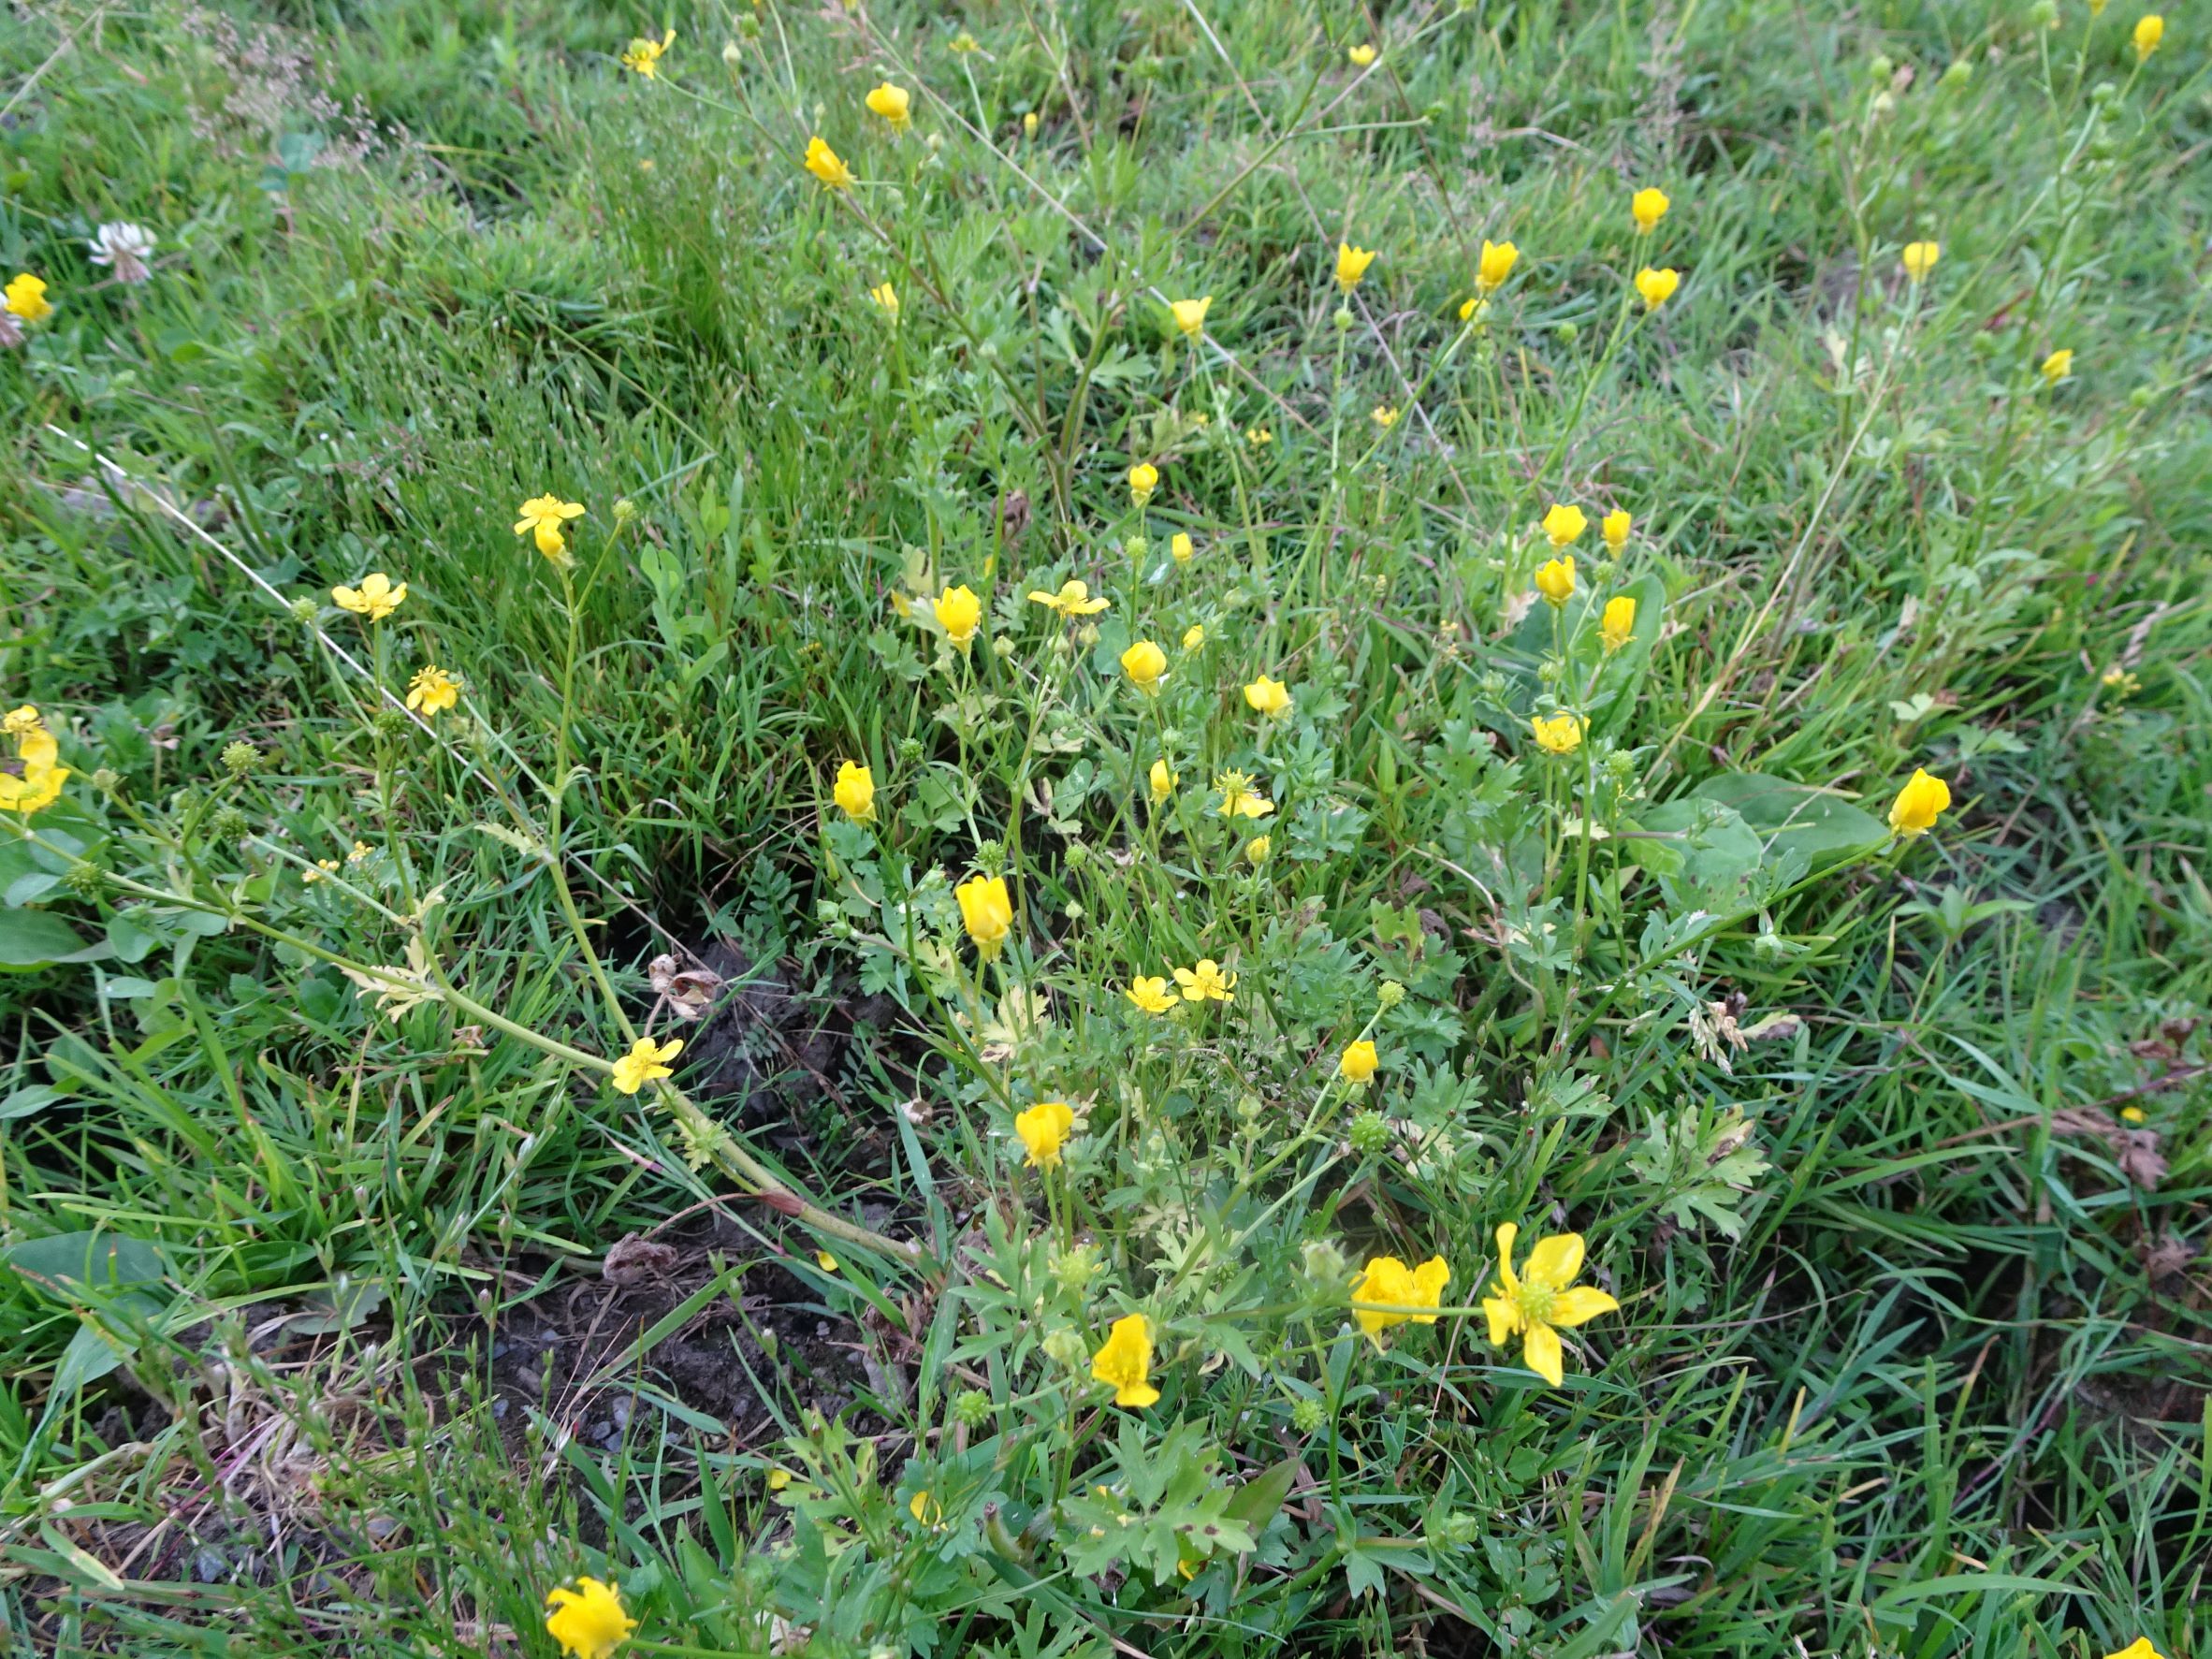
1326 1265
1370 1133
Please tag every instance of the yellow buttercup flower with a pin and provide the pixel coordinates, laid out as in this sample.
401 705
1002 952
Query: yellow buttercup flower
986 913
1657 286
1358 1063
1144 480
825 165
1258 437
1072 600
1616 526
1162 780
891 103
925 1507
1555 579
855 793
39 788
1193 637
1146 665
1385 417
825 1262
1495 266
2149 30
1649 206
645 55
1563 525
886 298
2138 1648
1360 56
1617 626
1559 733
542 518
1181 548
1029 124
1543 1300
1206 982
646 1061
1191 315
26 298
1239 799
1918 804
1474 309
587 1622
778 1479
959 613
1044 1129
1269 698
376 598
1126 1362
1351 264
1920 259
2059 365
1388 1281
37 784
432 691
1150 993
1257 849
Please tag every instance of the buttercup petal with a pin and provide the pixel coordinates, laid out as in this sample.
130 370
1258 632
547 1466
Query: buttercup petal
1555 1261
1540 1353
1583 1302
1505 1318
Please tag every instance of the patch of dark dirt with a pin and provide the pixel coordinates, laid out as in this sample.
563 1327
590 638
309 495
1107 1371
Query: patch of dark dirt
802 1064
762 1346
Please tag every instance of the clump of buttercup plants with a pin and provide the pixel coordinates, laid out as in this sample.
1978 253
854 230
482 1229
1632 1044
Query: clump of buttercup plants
1213 1202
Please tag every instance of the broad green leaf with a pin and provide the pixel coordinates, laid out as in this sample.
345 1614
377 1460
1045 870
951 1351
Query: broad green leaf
38 938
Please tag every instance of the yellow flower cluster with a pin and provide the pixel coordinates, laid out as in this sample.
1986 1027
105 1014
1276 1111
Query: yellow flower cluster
35 783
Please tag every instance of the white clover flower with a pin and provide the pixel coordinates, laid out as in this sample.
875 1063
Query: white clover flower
125 249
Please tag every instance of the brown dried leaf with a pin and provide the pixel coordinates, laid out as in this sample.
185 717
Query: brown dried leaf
634 1261
2140 1160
